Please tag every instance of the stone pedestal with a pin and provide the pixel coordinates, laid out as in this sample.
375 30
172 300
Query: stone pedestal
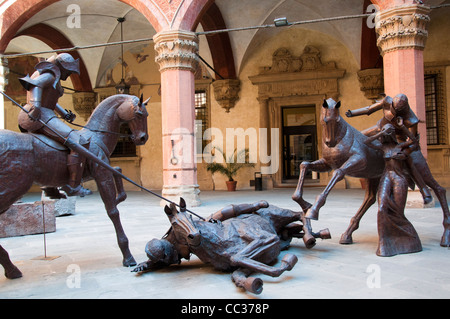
28 219
63 206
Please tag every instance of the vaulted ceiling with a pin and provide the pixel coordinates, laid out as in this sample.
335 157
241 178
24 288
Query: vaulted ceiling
98 24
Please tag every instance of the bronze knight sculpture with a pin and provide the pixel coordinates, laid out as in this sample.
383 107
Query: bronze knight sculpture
44 90
243 238
27 158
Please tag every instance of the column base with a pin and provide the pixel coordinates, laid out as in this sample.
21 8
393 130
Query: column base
190 194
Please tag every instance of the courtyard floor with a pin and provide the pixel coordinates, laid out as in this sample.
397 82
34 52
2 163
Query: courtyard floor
89 263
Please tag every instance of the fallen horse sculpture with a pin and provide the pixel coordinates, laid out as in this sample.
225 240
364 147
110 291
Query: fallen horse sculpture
245 239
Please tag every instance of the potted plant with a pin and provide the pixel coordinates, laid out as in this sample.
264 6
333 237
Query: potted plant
232 165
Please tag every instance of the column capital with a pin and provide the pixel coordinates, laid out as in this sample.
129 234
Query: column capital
176 49
402 27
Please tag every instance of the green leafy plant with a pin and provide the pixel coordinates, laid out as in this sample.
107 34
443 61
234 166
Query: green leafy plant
232 165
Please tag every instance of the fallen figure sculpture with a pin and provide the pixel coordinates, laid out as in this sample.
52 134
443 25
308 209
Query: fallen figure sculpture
245 239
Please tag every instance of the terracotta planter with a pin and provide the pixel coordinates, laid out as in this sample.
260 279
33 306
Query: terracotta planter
231 185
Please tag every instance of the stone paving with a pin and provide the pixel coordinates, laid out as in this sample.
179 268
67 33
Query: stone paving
88 261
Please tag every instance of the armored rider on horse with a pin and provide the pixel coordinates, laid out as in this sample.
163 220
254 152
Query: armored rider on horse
44 90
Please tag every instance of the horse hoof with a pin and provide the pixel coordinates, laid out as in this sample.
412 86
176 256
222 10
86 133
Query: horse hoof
309 241
427 199
13 273
346 240
445 240
289 261
325 234
254 285
129 262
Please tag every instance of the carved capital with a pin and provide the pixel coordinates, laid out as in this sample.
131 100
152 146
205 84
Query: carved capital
176 50
402 27
226 92
84 103
371 82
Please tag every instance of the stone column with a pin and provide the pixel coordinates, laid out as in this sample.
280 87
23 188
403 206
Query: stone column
402 33
176 54
3 82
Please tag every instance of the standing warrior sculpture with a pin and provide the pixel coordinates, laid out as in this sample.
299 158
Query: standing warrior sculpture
396 234
397 112
44 90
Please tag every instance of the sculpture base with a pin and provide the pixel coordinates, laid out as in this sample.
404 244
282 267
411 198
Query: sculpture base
28 219
63 206
190 194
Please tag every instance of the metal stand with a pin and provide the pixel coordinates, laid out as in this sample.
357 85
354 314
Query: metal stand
45 257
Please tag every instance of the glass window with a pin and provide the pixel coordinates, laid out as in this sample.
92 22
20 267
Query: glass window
431 107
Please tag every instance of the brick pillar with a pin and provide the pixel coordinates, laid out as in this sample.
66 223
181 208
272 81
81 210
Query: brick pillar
176 53
402 33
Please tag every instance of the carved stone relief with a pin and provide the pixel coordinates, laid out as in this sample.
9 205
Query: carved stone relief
371 82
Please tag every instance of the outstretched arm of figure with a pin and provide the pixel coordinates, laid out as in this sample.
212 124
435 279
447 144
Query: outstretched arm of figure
373 142
235 210
412 143
365 110
66 114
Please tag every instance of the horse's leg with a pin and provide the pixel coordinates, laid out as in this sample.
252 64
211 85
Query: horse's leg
369 200
259 247
121 194
11 271
316 166
440 192
106 187
353 163
241 279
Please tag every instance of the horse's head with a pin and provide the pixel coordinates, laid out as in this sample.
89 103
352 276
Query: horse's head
134 112
183 226
329 118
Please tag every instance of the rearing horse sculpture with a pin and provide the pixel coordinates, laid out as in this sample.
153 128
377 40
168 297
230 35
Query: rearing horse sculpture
29 158
344 151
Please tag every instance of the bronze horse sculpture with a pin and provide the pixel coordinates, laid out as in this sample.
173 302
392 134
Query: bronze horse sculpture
244 239
30 158
344 151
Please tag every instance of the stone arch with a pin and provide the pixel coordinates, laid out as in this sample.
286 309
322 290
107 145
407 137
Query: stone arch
56 40
219 44
16 13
